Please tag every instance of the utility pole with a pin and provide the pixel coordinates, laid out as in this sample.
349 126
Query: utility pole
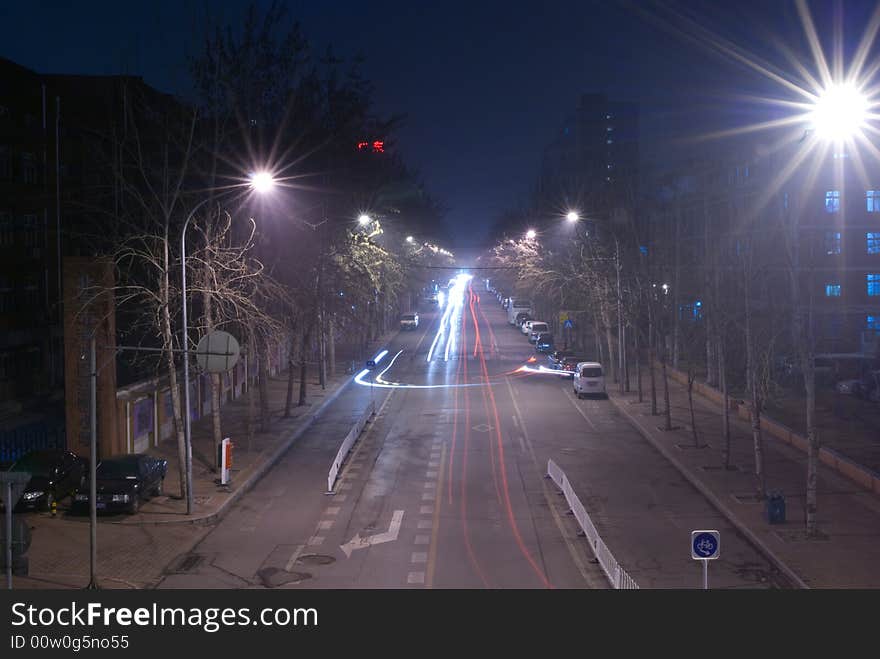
93 464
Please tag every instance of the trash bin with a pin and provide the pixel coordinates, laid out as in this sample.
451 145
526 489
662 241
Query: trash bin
776 508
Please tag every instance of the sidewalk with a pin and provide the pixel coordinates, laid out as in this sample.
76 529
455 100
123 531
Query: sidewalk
848 551
133 550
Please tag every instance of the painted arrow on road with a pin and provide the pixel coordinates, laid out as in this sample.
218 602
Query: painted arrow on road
357 542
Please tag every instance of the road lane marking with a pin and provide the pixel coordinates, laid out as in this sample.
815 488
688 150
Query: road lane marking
431 473
515 421
426 510
435 526
424 524
360 542
422 540
419 557
316 540
430 486
580 409
332 510
325 524
415 577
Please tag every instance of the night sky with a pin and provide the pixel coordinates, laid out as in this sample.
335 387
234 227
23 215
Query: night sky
484 85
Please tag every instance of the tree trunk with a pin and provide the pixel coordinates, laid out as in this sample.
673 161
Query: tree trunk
652 355
668 412
251 407
331 345
725 395
175 396
711 361
303 365
609 341
676 293
758 441
692 375
811 505
264 387
638 364
291 370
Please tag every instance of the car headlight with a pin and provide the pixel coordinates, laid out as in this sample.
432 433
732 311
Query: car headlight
30 496
119 498
82 497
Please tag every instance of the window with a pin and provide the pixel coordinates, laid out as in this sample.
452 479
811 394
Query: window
873 242
832 290
873 200
30 231
872 323
832 201
832 242
7 295
873 280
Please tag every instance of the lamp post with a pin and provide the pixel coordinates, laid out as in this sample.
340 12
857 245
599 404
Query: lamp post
261 182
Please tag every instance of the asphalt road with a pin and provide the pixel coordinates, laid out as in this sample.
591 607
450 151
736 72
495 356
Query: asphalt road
446 487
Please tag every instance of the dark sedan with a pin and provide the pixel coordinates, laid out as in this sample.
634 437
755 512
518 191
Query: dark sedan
123 482
544 342
569 363
55 474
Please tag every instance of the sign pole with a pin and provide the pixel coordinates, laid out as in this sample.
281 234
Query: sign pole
705 574
705 547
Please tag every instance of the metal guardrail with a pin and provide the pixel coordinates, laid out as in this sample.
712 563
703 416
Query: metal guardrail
347 443
616 575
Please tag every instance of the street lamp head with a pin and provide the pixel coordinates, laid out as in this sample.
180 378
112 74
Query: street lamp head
530 234
839 112
262 182
572 216
364 219
410 239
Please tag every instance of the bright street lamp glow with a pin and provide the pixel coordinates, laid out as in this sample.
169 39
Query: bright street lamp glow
530 234
409 239
839 113
262 182
364 219
572 216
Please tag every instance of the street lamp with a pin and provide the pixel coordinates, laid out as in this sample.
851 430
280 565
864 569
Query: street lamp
839 112
572 216
260 182
530 234
364 219
410 239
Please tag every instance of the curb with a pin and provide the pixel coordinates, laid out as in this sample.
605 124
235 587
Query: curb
260 471
710 496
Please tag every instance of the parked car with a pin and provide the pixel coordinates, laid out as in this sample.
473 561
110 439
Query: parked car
122 482
557 356
521 317
867 386
524 327
55 474
569 363
409 321
544 342
589 379
537 328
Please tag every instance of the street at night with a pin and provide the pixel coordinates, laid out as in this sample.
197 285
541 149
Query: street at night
302 301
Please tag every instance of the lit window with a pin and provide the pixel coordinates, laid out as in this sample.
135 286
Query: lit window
873 200
832 242
609 142
873 280
832 201
872 323
832 290
873 243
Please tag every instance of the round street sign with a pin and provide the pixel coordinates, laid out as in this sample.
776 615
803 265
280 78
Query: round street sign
371 364
217 352
705 545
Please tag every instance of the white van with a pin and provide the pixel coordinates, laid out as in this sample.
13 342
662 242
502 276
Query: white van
515 307
589 378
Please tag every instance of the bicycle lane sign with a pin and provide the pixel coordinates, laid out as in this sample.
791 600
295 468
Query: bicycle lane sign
705 545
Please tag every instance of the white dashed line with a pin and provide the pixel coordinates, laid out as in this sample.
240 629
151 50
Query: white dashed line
428 496
432 473
419 557
415 577
426 510
430 486
316 540
425 524
332 510
422 539
325 524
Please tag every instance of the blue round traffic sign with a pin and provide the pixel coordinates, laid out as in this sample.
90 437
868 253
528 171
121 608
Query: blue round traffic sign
705 544
371 364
